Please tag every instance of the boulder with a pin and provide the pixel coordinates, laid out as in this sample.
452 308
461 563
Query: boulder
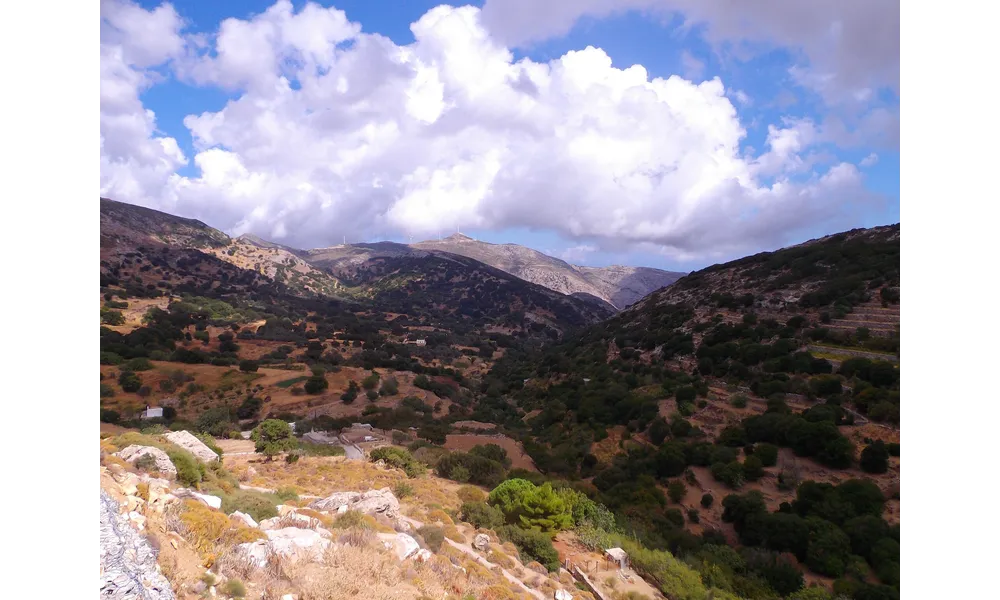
213 501
423 555
163 463
402 544
335 501
481 542
186 440
289 541
378 502
372 502
563 595
243 518
290 519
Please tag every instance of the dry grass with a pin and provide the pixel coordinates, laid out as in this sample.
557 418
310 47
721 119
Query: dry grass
350 572
210 531
452 533
470 493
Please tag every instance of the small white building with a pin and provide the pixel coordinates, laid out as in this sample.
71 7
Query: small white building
421 342
154 412
365 426
617 556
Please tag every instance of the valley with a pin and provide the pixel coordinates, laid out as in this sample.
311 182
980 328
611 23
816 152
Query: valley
735 429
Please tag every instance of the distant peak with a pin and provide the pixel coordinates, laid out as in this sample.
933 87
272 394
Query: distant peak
459 237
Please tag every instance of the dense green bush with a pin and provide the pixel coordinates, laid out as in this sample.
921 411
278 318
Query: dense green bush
482 515
477 469
398 458
533 545
875 458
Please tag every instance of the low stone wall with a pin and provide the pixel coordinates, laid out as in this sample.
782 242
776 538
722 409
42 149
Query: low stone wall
854 353
579 574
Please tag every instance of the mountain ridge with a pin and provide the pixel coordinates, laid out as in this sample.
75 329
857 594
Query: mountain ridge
617 285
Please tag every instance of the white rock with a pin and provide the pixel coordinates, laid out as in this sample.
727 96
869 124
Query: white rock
372 502
163 463
341 509
206 499
334 501
481 542
402 544
288 542
563 595
186 440
423 555
137 520
244 518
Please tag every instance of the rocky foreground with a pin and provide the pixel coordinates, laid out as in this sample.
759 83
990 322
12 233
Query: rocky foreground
306 541
128 561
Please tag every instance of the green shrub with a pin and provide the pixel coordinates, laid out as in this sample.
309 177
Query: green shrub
189 470
534 545
707 500
433 537
676 490
138 364
286 493
110 358
403 490
107 391
272 437
767 454
234 588
249 366
258 505
400 459
129 381
482 515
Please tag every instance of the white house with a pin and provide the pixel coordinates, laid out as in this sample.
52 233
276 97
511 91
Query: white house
154 412
617 556
421 342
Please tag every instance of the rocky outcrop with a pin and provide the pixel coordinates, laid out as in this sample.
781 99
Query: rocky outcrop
189 442
290 541
163 464
244 518
373 502
128 562
481 542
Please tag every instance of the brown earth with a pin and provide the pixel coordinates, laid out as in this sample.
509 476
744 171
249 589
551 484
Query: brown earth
518 458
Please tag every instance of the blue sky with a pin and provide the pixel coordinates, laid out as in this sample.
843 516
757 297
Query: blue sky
757 75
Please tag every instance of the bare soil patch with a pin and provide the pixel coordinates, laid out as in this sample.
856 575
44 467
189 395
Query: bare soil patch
465 441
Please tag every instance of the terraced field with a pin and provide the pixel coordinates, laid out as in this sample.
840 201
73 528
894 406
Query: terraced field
878 320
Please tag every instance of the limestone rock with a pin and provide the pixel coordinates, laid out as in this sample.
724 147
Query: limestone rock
290 519
333 502
423 555
206 499
563 595
244 518
128 562
402 544
290 541
186 440
163 463
481 542
372 502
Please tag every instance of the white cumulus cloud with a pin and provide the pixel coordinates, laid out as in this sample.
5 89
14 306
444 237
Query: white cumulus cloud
336 132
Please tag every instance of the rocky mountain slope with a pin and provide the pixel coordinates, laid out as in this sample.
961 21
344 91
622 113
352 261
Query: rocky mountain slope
164 251
619 286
